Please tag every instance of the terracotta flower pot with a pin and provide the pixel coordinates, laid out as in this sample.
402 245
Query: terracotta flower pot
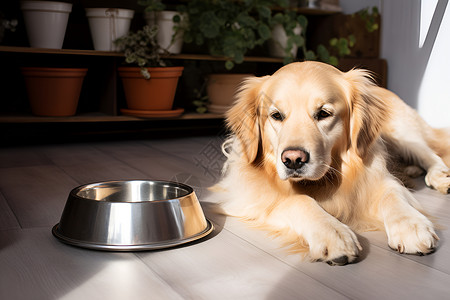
221 90
157 93
53 91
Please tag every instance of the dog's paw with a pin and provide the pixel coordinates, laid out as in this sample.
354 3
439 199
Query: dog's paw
334 243
412 235
439 179
413 171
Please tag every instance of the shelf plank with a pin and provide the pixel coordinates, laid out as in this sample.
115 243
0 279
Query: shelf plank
221 58
101 118
59 51
120 54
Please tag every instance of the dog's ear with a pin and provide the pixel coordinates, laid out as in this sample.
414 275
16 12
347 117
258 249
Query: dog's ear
369 110
243 117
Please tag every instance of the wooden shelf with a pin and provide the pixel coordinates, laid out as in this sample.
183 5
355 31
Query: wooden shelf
119 54
221 58
97 117
59 51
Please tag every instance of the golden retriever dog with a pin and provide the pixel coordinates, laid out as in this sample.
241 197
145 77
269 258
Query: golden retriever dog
307 161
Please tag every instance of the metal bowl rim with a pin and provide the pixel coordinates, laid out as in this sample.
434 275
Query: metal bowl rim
137 247
74 191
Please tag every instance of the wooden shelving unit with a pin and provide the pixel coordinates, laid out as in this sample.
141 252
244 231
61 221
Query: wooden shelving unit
108 102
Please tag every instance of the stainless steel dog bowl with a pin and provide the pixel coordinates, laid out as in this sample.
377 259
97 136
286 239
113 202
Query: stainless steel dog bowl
131 215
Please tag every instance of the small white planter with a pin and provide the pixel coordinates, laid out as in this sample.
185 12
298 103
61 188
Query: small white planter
166 34
279 39
108 24
46 22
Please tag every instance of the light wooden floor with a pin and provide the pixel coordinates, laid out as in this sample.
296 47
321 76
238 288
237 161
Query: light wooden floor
235 262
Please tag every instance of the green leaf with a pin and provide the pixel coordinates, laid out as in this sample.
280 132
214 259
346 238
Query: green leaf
333 42
323 53
264 31
298 40
351 40
264 11
303 21
278 18
198 103
333 61
176 19
201 110
310 55
239 57
229 65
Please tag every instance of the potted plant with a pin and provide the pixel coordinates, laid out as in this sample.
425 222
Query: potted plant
227 28
150 87
46 22
289 35
170 34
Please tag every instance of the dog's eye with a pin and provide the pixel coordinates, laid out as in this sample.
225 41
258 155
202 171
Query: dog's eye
322 114
277 116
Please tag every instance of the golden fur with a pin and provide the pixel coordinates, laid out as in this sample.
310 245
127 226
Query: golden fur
339 124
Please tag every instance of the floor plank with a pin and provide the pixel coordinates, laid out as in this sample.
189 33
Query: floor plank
227 267
22 157
37 266
36 194
381 273
86 164
7 218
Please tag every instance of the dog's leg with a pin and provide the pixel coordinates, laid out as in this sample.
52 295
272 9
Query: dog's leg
418 143
415 149
407 229
328 239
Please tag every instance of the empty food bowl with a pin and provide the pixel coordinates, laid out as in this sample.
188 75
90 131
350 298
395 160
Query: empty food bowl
132 215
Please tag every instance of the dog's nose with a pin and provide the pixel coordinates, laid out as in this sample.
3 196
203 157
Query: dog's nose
294 158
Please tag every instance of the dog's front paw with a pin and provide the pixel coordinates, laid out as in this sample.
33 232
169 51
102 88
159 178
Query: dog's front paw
439 179
334 243
412 235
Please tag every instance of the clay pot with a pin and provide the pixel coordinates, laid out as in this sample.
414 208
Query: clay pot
221 90
53 91
156 93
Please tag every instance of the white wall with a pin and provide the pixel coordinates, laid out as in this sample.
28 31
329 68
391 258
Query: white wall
415 41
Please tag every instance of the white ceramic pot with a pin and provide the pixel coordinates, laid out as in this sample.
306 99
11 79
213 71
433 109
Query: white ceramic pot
222 89
279 39
108 24
166 34
46 22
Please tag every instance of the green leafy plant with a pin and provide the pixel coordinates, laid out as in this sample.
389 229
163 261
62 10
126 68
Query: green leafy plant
155 6
228 28
152 5
201 99
369 15
290 21
342 45
141 48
